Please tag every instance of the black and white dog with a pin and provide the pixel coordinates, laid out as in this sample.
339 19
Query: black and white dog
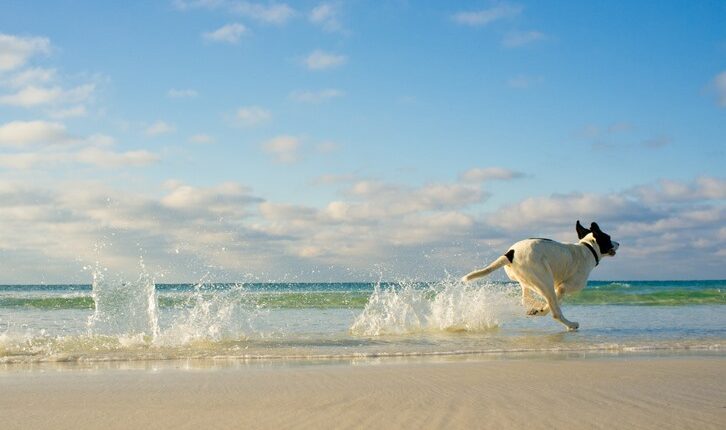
552 269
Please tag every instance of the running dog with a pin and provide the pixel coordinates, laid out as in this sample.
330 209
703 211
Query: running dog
552 269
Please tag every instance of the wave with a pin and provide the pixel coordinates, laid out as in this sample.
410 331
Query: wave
289 300
612 295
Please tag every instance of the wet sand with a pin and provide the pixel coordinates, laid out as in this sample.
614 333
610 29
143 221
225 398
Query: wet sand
623 393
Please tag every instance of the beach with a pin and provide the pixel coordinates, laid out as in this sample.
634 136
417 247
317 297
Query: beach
628 392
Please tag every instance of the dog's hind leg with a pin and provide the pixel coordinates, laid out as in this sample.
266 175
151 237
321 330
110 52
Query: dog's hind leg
534 307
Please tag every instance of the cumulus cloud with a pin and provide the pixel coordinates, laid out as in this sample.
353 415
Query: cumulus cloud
30 87
284 149
45 144
271 13
31 96
719 83
159 128
482 174
226 197
326 16
266 13
230 33
250 116
105 158
32 76
316 96
71 112
201 138
195 4
417 230
15 51
321 60
327 147
516 39
559 209
669 191
484 17
23 133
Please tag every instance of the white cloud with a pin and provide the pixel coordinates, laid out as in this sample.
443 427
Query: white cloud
331 179
229 33
657 142
201 139
316 96
250 116
719 83
565 208
23 133
71 112
33 76
181 93
159 128
326 15
517 39
271 13
49 144
669 192
225 197
195 4
15 51
487 16
406 231
105 158
283 148
482 174
327 147
31 96
321 60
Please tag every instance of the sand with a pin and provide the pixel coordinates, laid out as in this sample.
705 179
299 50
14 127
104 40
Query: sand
623 393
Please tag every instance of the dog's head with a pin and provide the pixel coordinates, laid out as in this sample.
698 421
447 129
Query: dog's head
607 246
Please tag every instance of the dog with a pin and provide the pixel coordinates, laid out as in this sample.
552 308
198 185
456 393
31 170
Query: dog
552 269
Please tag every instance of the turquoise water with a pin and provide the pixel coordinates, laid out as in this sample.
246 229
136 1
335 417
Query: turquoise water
141 320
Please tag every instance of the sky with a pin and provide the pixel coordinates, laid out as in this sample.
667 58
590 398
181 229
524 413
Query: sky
229 140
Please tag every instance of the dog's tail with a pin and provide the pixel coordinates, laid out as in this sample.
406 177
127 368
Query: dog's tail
496 264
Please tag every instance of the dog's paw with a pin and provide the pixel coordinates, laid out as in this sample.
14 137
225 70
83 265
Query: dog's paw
536 312
573 326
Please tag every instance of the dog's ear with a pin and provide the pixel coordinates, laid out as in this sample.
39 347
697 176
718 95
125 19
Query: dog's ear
595 228
581 231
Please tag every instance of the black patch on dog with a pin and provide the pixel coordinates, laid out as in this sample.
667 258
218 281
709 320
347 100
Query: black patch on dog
602 239
581 231
510 255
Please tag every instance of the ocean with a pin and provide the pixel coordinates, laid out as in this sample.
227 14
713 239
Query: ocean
140 320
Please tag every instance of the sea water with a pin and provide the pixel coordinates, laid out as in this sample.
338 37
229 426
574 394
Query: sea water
137 319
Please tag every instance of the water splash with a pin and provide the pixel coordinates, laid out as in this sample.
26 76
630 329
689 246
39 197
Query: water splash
445 306
212 314
124 308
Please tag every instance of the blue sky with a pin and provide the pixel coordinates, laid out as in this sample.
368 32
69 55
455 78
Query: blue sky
350 140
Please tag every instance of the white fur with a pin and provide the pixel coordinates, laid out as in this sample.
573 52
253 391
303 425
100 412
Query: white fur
550 269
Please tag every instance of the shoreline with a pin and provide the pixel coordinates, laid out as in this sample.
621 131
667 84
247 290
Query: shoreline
533 393
473 355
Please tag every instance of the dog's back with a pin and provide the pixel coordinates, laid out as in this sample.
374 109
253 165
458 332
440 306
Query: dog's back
560 259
